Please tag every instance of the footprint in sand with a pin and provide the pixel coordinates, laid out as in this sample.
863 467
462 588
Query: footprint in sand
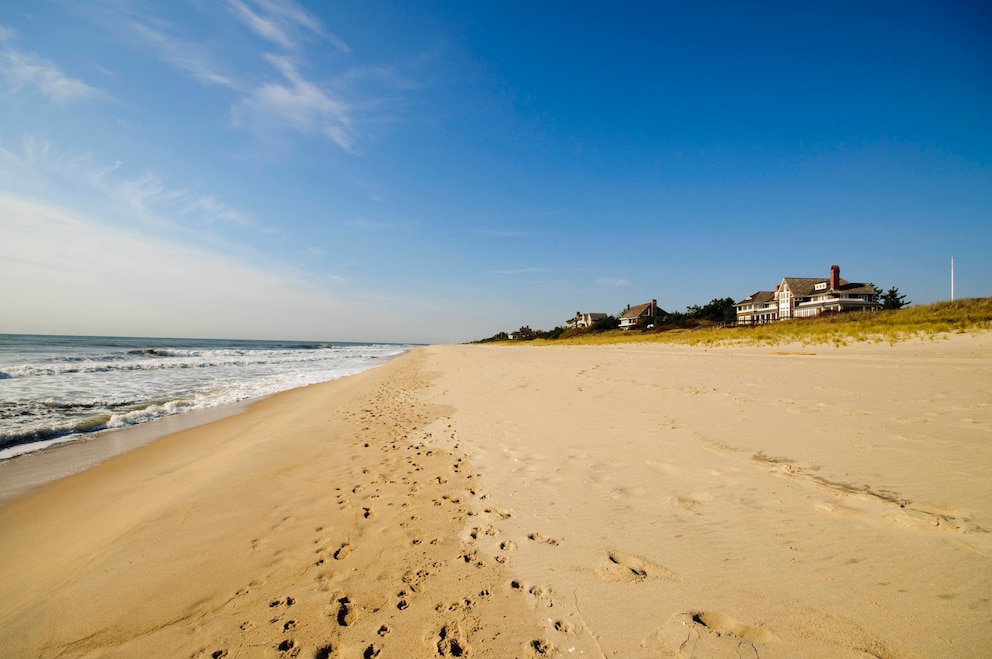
625 568
451 643
541 538
498 513
483 530
342 552
541 594
709 634
471 556
541 647
346 612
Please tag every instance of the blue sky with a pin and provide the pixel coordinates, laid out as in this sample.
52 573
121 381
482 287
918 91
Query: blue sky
438 173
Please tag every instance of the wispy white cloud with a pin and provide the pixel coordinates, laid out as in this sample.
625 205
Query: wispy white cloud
374 189
22 69
212 210
296 103
283 99
607 281
182 54
291 102
283 22
146 196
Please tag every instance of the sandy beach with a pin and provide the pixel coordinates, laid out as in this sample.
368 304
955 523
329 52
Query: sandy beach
518 501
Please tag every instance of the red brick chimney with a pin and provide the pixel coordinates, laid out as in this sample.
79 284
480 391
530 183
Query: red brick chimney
834 277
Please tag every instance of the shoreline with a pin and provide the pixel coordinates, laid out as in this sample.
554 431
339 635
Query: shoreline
520 501
21 473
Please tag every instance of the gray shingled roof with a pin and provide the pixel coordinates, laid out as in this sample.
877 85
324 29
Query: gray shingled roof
761 297
635 312
803 286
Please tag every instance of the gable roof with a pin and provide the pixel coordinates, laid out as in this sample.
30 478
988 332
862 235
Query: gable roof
761 297
640 310
804 286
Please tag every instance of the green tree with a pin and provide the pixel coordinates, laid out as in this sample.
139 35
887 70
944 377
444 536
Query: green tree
891 299
716 310
608 323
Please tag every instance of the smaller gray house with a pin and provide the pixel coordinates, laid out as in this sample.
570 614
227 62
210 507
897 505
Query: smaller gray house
583 320
525 333
757 308
634 316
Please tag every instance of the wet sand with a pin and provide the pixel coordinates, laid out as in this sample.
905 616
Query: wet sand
498 501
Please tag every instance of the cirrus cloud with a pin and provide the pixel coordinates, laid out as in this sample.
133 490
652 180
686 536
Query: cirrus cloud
29 70
296 103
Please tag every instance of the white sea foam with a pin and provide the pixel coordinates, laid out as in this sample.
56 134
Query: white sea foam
54 389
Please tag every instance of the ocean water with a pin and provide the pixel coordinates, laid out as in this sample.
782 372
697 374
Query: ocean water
57 389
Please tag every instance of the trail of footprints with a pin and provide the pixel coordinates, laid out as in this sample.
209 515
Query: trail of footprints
325 619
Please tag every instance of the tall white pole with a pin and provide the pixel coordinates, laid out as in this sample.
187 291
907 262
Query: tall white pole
952 278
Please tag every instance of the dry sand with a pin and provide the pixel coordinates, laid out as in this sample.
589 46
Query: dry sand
495 501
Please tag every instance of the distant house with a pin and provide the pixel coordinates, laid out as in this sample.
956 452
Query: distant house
525 333
583 320
634 316
805 297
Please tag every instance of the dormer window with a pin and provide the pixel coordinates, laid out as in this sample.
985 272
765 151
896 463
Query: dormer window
822 286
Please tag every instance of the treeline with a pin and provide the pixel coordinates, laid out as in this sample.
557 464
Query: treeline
716 311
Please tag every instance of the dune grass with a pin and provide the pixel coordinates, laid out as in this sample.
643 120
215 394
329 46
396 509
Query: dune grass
919 322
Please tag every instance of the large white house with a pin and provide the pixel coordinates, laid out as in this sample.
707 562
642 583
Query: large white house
805 297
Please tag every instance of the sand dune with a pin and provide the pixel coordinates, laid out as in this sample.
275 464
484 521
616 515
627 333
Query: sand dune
521 501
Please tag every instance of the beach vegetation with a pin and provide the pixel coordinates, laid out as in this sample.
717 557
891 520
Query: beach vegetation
891 299
604 324
922 322
551 335
499 336
717 310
